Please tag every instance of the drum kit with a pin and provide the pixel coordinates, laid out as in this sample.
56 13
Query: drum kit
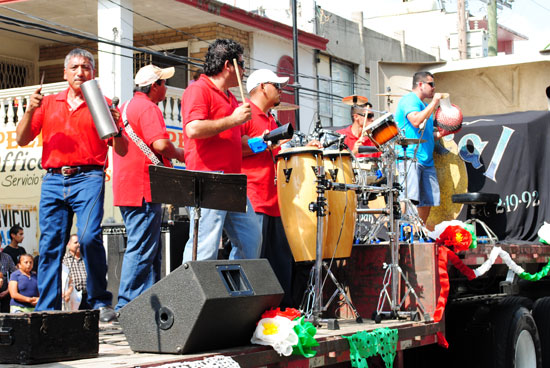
322 193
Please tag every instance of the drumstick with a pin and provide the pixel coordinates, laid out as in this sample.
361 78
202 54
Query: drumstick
363 131
239 78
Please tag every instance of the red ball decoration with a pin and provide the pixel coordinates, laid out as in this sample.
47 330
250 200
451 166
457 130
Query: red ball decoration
449 118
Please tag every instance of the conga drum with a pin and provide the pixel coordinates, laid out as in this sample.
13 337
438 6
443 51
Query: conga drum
342 205
296 189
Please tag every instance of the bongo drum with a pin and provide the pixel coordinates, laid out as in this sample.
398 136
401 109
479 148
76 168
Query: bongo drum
342 205
296 189
382 130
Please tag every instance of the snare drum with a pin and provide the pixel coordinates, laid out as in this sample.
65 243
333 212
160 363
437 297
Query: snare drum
382 130
342 206
296 189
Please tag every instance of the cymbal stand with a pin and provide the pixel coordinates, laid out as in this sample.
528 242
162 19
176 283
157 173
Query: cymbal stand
315 294
393 271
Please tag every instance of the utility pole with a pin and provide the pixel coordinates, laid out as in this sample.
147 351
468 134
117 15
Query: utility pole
462 27
492 27
295 56
492 24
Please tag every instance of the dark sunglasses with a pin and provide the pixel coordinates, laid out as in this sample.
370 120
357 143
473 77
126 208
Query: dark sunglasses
276 85
370 115
431 84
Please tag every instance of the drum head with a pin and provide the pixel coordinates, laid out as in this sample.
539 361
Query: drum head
297 150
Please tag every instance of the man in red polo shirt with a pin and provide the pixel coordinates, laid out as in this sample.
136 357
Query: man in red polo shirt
212 122
75 157
131 184
264 88
353 132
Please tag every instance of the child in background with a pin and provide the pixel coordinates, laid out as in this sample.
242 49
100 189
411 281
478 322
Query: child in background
23 286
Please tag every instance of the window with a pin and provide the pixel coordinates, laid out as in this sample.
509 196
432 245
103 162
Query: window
335 78
180 77
15 73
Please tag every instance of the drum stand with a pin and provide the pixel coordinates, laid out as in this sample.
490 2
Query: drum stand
315 294
394 273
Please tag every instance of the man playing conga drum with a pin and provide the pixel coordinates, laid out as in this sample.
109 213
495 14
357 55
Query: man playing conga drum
264 88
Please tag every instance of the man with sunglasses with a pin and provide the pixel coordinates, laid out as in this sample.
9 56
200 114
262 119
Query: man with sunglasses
212 121
264 88
353 132
415 119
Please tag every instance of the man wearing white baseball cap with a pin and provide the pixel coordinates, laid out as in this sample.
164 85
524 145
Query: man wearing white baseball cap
264 88
131 189
264 76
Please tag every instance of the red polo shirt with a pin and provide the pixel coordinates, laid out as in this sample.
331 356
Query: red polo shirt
351 139
259 167
204 101
69 137
131 172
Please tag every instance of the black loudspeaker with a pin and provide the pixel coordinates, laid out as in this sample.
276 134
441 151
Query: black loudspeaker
202 305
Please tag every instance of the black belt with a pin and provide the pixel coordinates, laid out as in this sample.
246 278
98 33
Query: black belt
73 170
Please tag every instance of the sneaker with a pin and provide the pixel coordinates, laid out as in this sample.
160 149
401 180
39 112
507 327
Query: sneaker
107 314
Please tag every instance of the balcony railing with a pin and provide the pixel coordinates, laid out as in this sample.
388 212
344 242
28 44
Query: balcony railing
14 100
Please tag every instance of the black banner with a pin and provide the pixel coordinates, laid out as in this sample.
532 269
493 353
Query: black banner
509 154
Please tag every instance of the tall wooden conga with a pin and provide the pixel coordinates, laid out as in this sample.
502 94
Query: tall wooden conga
342 206
296 189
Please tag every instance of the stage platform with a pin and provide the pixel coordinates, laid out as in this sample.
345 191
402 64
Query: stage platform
115 352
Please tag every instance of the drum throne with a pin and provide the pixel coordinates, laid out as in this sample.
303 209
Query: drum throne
477 202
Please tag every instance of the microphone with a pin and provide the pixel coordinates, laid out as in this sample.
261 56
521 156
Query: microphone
339 140
115 101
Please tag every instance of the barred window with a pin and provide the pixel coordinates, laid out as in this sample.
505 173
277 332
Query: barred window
15 73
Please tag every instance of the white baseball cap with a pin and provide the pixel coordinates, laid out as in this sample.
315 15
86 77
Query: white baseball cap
263 76
149 74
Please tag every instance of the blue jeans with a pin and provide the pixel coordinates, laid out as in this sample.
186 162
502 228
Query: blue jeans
422 184
276 249
243 229
61 197
143 255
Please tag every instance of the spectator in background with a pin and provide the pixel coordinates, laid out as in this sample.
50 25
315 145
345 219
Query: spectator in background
23 286
77 271
13 249
7 267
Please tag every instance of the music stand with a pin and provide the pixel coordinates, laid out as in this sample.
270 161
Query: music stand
198 189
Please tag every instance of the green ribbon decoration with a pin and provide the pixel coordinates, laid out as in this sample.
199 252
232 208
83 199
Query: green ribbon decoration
363 345
306 341
537 276
472 230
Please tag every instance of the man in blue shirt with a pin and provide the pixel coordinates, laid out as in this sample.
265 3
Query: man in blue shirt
414 118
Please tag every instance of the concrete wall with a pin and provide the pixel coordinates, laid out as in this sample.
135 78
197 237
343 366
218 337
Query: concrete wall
265 52
497 85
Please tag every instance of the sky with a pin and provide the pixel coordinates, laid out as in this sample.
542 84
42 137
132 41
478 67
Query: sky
527 17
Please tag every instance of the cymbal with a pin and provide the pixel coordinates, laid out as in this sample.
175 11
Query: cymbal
355 100
410 141
285 106
390 94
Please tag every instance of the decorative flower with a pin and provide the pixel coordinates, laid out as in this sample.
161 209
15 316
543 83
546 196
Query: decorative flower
277 332
455 236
